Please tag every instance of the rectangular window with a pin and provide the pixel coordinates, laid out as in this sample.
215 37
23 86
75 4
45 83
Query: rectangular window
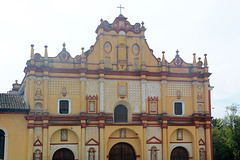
64 107
178 108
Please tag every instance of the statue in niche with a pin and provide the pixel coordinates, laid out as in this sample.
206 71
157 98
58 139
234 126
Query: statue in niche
91 106
153 106
64 135
122 133
201 154
179 134
38 107
91 154
38 94
37 155
153 153
199 97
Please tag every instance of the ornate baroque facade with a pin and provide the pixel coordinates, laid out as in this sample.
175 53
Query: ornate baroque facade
115 100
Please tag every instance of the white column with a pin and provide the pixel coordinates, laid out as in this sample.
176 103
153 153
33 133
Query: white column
6 147
143 86
101 80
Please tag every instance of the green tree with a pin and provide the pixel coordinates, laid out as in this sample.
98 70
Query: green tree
233 123
226 135
221 150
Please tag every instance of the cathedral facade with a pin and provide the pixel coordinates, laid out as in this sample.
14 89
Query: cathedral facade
115 101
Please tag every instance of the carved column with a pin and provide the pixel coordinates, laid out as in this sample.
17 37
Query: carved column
208 141
101 43
31 91
206 104
102 140
196 148
165 140
194 85
143 86
83 137
45 92
101 80
82 95
30 139
45 139
163 95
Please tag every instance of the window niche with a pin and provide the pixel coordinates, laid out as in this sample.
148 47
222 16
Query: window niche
153 153
91 154
152 105
64 135
202 154
179 134
38 107
37 155
92 102
122 90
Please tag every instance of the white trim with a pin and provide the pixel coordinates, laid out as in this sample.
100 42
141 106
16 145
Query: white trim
6 142
183 108
69 109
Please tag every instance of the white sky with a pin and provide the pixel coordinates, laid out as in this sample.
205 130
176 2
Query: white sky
191 26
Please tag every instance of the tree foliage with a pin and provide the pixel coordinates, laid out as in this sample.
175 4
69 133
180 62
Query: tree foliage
226 135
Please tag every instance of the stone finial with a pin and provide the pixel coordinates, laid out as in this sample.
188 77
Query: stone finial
83 55
46 52
32 51
64 46
163 58
205 60
142 23
177 53
101 20
194 59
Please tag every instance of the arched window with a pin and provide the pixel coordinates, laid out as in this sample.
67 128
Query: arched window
120 114
2 143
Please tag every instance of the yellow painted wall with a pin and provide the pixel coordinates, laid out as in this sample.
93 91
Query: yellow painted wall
16 126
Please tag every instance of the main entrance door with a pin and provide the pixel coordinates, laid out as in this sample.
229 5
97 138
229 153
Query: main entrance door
179 153
122 151
63 154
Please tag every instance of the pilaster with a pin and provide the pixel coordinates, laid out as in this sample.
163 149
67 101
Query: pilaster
82 94
102 138
31 90
206 96
194 85
143 87
83 137
45 92
45 139
101 81
208 142
163 95
164 140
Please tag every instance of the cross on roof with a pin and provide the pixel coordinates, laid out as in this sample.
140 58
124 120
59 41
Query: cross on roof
120 8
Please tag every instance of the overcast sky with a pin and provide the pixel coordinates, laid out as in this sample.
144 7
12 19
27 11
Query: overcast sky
191 26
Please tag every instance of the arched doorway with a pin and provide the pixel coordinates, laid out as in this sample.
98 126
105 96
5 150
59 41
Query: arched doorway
63 154
179 153
122 151
2 143
120 114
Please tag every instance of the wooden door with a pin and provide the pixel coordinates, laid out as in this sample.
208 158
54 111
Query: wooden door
179 153
63 154
122 151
